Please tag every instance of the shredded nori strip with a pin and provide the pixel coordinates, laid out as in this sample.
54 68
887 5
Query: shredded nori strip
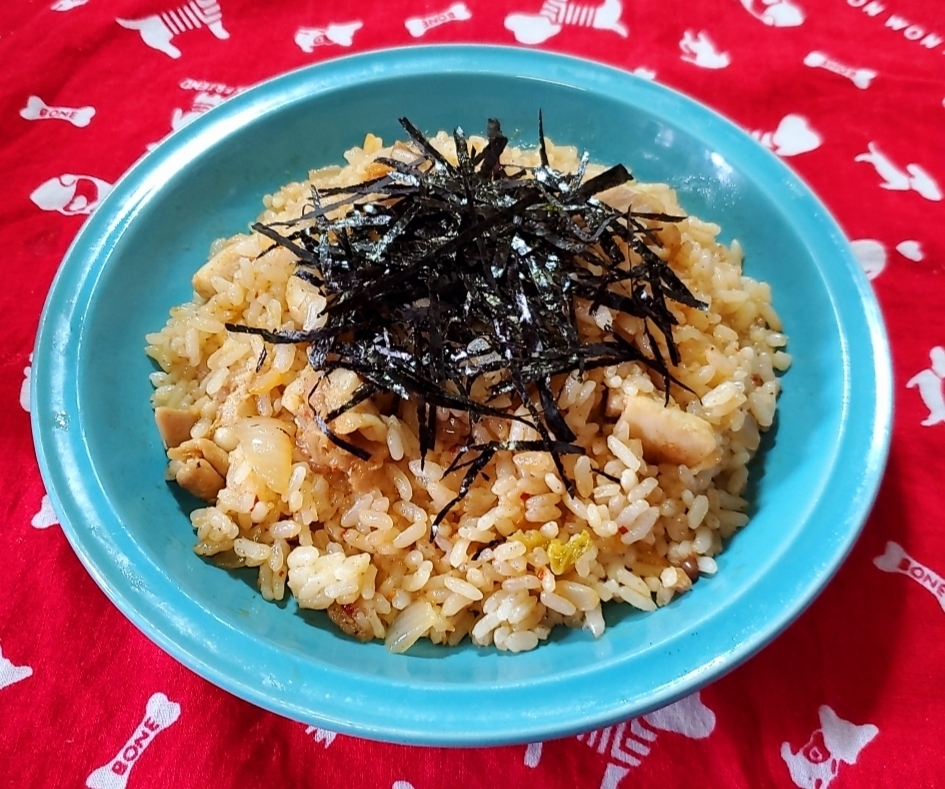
437 274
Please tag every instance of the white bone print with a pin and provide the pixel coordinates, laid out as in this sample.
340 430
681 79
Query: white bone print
896 560
861 77
36 109
67 5
46 516
793 136
10 674
340 33
159 713
627 743
701 51
71 194
931 385
554 14
777 13
417 26
913 177
158 30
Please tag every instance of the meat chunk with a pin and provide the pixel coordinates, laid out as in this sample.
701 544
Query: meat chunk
200 467
668 434
198 477
360 426
223 264
620 197
197 448
174 425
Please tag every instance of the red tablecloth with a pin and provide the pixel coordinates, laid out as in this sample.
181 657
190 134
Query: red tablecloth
849 92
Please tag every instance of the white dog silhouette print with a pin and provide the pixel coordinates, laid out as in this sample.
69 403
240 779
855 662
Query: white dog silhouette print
931 385
913 177
793 136
25 385
71 194
158 30
699 49
46 516
554 14
9 674
208 96
321 735
201 103
339 33
871 255
777 13
627 744
816 763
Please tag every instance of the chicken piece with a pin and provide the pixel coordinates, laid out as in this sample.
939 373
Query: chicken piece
669 435
223 264
236 401
624 198
619 197
361 426
198 477
174 425
197 448
323 454
201 467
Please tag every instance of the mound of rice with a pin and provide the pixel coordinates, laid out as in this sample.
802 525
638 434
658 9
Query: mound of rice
518 555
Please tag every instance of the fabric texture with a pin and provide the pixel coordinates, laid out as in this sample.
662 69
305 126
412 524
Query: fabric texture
850 93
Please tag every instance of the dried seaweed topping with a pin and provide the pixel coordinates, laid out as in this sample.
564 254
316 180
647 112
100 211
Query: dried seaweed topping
452 285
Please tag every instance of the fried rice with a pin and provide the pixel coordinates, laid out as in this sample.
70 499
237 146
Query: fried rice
519 554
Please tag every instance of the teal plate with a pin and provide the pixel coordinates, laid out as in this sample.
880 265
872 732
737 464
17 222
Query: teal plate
103 462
